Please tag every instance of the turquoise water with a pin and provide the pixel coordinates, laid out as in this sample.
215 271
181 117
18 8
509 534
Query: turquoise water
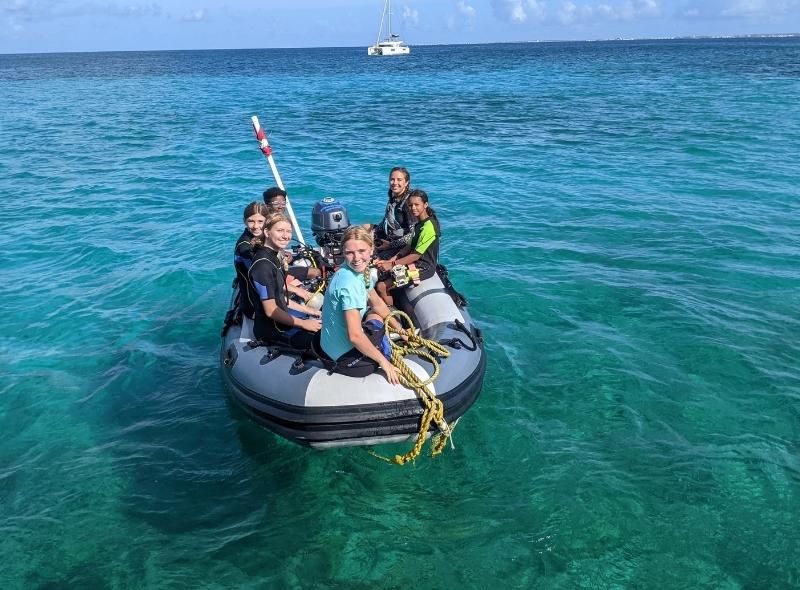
624 218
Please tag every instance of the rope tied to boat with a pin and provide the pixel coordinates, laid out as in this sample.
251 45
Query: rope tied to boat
433 412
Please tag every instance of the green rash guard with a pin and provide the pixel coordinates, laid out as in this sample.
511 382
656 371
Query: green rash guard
426 244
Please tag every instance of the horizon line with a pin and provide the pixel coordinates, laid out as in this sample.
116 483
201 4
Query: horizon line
602 40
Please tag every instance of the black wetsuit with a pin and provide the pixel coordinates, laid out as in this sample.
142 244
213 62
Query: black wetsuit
397 226
267 280
242 259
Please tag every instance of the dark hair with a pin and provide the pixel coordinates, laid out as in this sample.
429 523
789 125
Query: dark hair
405 173
255 207
421 194
273 192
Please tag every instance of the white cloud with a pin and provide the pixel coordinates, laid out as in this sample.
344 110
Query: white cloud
628 10
410 16
52 9
743 9
195 16
758 8
515 11
569 12
465 10
13 6
464 17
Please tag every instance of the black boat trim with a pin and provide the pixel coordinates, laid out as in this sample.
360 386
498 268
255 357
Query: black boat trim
340 423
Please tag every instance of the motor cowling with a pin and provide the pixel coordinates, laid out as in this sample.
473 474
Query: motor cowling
329 220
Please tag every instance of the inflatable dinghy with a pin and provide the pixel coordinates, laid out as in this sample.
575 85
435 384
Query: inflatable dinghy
299 399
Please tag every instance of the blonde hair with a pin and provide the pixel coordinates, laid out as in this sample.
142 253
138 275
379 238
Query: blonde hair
272 219
359 232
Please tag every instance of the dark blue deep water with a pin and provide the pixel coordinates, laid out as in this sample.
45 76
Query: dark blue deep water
624 218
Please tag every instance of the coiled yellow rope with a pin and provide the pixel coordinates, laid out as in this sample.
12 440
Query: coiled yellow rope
434 408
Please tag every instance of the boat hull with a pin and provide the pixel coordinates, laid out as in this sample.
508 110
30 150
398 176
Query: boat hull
310 406
388 49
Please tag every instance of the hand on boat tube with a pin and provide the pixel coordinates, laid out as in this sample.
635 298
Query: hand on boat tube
392 376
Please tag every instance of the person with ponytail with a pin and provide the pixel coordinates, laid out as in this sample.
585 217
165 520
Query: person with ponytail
352 336
278 320
395 229
423 251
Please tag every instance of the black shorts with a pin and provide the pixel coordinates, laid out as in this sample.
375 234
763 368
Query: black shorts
353 363
272 332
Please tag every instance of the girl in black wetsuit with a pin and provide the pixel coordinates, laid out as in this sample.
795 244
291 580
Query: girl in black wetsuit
275 200
255 214
277 319
396 228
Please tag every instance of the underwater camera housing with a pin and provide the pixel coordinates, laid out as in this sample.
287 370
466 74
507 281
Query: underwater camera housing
329 220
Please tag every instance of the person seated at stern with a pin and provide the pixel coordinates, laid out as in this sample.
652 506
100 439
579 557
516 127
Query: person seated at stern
396 228
278 320
422 252
275 199
357 348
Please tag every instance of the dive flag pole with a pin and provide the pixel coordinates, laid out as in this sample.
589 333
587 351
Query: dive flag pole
266 149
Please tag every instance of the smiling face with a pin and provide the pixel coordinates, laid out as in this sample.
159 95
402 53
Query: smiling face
279 234
398 183
357 254
417 207
255 224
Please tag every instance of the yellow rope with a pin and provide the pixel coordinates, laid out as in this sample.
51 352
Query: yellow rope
434 408
322 282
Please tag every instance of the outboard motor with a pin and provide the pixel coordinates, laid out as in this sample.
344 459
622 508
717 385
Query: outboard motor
329 220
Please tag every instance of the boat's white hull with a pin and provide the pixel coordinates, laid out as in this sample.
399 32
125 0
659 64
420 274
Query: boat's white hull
389 48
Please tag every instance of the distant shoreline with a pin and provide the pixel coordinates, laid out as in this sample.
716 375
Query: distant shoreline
534 41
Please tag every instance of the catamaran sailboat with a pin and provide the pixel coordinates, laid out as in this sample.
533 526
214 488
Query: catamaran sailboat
392 45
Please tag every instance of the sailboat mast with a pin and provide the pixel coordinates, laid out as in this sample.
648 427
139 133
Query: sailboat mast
383 17
391 31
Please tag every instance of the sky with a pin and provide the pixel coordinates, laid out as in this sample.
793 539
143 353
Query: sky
34 26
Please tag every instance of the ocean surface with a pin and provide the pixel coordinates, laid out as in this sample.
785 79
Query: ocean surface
624 218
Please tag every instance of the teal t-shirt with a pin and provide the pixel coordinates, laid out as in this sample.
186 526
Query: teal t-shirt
346 290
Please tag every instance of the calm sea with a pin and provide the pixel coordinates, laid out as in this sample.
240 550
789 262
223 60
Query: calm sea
624 218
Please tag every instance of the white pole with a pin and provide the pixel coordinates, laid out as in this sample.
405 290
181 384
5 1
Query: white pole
266 149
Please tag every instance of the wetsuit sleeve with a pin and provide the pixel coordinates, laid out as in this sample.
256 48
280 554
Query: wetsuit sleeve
243 253
427 235
405 240
243 248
